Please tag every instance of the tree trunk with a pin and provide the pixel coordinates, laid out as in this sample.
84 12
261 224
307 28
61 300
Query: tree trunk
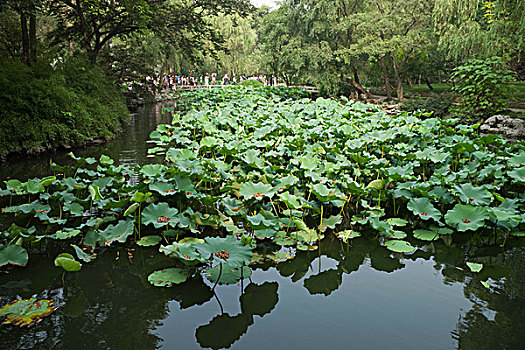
387 79
428 84
25 38
32 38
359 87
410 82
399 79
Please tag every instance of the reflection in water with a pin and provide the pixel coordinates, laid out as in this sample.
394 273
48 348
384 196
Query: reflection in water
110 304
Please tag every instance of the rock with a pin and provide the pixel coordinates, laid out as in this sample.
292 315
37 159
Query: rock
511 128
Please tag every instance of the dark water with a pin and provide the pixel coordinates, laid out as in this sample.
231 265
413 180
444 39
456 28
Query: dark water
356 296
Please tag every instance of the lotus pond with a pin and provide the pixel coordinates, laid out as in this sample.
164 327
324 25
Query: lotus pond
263 217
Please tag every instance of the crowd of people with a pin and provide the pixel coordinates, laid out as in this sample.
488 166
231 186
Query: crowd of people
171 81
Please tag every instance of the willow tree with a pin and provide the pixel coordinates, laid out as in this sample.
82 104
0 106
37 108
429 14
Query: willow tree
480 29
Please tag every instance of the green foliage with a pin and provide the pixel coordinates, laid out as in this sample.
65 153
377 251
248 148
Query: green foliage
438 104
480 83
44 107
251 83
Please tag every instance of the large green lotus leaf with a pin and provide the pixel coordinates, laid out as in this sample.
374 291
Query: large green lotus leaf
256 190
26 312
67 262
394 234
517 160
263 219
323 193
505 218
74 208
82 255
14 255
159 215
442 230
153 170
163 188
466 217
290 200
347 234
105 160
424 209
308 162
229 274
474 267
307 236
119 232
285 182
518 175
284 239
227 250
475 195
376 184
331 222
148 241
399 246
33 187
168 277
426 235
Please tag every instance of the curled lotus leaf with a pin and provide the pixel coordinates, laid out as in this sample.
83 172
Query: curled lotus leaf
67 262
423 208
117 233
466 217
168 277
26 312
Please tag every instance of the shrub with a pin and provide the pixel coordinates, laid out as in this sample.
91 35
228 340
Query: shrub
480 83
439 104
45 106
251 83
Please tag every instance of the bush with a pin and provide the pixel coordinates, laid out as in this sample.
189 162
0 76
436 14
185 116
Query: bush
439 104
481 85
44 107
251 83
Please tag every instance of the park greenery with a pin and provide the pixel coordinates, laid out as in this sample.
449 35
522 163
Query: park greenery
255 175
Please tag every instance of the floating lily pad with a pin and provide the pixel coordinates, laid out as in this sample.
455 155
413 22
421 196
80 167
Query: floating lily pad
148 241
399 246
168 277
227 250
426 235
474 267
26 312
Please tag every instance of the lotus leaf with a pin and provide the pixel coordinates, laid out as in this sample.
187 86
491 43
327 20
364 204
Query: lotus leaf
148 241
426 235
258 190
168 277
284 239
422 208
159 215
518 175
26 312
474 267
119 232
466 217
348 234
474 195
67 262
83 255
227 250
14 255
399 246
